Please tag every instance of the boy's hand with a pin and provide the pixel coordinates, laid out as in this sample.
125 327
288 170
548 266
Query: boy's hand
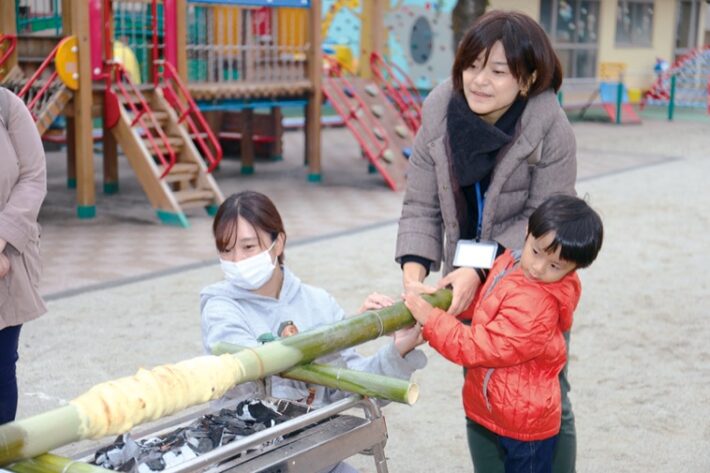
420 309
465 282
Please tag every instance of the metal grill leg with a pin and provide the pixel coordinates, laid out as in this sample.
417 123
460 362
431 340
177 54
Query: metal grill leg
378 452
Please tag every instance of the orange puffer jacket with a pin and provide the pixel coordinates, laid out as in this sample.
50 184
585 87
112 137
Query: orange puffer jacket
514 350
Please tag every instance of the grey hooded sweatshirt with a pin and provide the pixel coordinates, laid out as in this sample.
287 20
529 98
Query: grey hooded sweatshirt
238 316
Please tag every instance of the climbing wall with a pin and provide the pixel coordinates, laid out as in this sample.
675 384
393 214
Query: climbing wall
419 36
420 41
381 133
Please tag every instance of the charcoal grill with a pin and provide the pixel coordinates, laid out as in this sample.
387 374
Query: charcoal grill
312 440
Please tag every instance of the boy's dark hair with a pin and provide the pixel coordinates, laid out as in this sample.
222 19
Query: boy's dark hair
527 49
578 228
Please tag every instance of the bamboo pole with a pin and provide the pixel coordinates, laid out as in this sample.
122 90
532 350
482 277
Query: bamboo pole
115 406
343 379
366 384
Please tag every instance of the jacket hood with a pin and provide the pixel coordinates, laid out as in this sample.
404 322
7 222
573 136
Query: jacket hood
567 292
289 290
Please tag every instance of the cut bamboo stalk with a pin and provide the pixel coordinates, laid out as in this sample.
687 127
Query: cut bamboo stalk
49 463
343 379
366 384
115 406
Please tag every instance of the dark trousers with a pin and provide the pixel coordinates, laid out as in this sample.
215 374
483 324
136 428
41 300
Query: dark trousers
492 453
528 457
488 455
9 338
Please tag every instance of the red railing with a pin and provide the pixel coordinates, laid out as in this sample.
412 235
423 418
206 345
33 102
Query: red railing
340 93
405 96
188 112
659 90
166 78
11 42
144 117
35 77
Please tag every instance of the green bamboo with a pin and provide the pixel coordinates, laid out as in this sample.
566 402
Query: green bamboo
366 384
116 406
49 463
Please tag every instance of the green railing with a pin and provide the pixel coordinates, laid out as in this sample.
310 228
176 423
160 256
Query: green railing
33 20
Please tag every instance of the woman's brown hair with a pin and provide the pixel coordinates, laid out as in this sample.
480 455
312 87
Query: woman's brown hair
527 50
255 208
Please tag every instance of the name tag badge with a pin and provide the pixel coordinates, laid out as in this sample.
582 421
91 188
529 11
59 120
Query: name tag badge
475 254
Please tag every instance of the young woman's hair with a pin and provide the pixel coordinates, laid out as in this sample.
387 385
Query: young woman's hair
255 208
578 228
527 49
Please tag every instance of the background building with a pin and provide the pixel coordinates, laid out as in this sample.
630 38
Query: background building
588 34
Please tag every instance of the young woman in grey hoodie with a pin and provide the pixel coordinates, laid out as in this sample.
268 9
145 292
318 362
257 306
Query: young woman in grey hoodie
259 296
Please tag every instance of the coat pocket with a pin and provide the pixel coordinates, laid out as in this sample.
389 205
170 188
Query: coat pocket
32 263
486 382
4 295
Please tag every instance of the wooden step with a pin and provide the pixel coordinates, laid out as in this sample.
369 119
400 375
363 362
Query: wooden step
160 117
194 196
182 172
185 168
130 98
175 143
53 107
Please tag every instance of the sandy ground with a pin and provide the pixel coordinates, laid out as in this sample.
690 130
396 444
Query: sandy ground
640 361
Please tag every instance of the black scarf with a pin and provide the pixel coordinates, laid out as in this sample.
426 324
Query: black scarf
475 143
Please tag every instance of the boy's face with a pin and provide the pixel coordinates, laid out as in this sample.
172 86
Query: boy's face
539 265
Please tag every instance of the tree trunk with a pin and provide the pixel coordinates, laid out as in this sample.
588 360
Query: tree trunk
463 15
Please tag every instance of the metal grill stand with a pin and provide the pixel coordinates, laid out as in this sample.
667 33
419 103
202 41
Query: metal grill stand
319 439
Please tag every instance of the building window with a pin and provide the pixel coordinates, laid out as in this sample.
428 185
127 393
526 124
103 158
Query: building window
686 34
634 23
573 27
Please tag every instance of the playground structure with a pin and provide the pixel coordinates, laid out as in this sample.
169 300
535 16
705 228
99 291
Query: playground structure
379 130
241 58
161 131
399 89
685 84
414 35
154 118
149 68
611 95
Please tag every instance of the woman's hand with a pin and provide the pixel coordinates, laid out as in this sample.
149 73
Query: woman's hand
412 276
416 287
465 282
407 339
375 301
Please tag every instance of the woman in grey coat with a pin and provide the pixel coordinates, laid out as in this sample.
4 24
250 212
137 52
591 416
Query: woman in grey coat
494 143
23 185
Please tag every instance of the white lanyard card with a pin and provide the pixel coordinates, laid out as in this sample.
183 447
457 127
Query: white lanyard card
475 254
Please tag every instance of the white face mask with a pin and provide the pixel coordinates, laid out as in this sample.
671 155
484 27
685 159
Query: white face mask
250 273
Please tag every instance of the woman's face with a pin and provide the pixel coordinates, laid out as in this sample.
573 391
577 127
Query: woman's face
490 89
250 241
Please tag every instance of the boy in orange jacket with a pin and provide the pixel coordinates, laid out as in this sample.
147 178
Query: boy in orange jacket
514 349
